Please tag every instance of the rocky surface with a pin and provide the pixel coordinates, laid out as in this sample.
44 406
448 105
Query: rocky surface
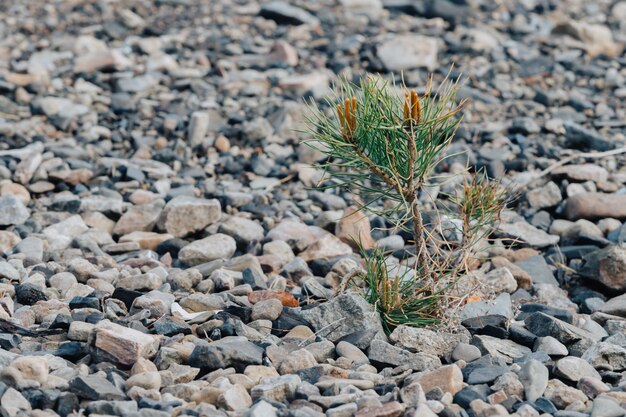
163 250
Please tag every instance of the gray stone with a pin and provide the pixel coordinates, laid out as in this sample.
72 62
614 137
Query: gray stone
593 206
233 351
534 376
242 230
501 305
607 356
436 343
283 12
550 345
547 196
527 233
573 369
348 350
604 406
9 272
267 310
616 306
198 128
12 211
606 266
217 246
486 374
538 269
342 316
279 388
184 215
403 52
499 280
92 387
345 410
382 352
466 352
261 409
543 325
500 348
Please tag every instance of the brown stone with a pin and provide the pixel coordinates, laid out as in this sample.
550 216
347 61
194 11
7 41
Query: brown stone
448 378
582 172
222 143
390 409
287 299
141 218
8 240
123 344
606 266
327 247
354 229
17 190
596 206
98 60
523 278
521 254
72 176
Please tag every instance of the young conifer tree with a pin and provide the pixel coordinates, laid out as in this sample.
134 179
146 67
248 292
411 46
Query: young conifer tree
383 146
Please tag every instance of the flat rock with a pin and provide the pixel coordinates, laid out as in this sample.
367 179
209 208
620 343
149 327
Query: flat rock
184 215
596 206
436 343
448 378
95 388
382 352
408 51
538 269
574 369
230 351
615 306
529 234
343 316
123 344
217 246
12 211
606 266
500 348
534 376
543 325
283 12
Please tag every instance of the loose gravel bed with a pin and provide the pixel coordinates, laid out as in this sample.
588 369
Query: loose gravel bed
164 250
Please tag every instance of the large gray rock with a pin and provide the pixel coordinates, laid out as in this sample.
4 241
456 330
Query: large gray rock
436 343
501 305
596 206
606 266
500 348
615 306
382 352
608 356
91 387
235 351
217 246
12 211
543 325
574 369
534 376
184 215
528 233
283 12
403 52
538 269
343 316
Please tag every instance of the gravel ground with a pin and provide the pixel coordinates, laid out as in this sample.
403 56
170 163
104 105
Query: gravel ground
163 249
